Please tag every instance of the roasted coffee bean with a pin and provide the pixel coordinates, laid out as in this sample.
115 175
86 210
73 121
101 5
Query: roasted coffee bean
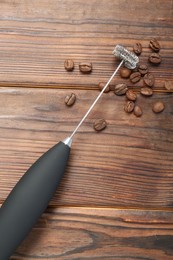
146 91
143 69
125 72
85 67
70 99
135 77
100 124
154 45
130 94
69 65
158 107
120 89
137 48
101 85
149 79
137 111
155 58
129 106
169 85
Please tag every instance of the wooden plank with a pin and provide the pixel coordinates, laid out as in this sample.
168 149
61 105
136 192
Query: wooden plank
98 233
37 36
127 164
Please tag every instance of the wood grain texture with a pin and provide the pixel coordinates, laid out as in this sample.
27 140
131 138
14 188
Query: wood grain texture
127 164
37 36
86 233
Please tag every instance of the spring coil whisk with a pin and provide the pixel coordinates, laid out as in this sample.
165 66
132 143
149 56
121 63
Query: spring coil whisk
130 59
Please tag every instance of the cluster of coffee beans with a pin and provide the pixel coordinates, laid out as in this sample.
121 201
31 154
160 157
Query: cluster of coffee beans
140 73
148 78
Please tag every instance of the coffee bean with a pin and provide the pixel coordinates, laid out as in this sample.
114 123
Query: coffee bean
101 85
158 107
137 111
135 77
146 91
155 58
130 94
69 65
85 67
143 69
125 72
154 45
137 48
70 99
169 85
129 106
149 79
120 89
100 124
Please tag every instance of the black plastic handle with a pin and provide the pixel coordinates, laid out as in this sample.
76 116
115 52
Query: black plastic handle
30 197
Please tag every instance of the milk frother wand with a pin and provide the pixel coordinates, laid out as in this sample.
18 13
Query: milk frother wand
31 195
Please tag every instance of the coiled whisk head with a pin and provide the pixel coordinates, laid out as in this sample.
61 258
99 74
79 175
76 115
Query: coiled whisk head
130 59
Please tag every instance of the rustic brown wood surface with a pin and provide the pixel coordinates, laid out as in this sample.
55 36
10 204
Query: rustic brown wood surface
115 200
128 164
88 233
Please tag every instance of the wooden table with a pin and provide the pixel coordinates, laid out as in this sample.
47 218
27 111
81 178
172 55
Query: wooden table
116 198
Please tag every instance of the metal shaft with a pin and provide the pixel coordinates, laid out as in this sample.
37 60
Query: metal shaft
95 101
